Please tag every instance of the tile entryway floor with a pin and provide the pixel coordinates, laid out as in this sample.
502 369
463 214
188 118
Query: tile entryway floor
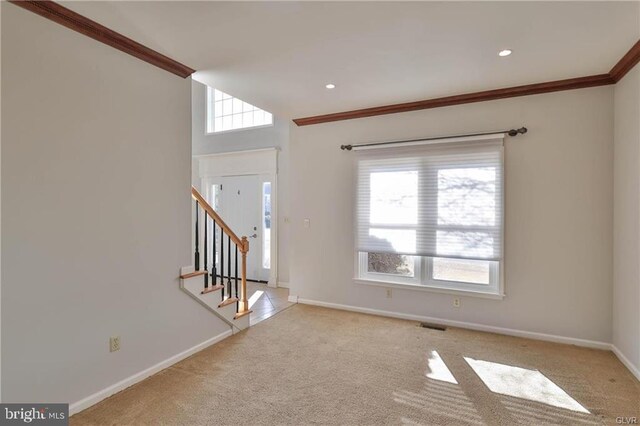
266 301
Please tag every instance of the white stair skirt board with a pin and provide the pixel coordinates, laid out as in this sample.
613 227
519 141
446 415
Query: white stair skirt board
461 324
87 402
193 287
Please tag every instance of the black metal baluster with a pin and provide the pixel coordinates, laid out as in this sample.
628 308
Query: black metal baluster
206 260
197 253
237 296
222 261
213 254
229 264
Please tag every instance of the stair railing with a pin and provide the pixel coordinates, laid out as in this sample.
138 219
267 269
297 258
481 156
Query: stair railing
223 280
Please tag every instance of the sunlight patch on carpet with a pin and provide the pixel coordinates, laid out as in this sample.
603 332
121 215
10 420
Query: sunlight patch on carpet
441 399
523 383
438 370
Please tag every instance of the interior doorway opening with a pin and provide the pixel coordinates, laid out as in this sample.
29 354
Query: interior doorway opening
242 188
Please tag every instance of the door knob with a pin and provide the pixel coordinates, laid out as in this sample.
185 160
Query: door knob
253 236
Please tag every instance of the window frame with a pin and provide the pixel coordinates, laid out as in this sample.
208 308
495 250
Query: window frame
423 278
493 287
364 273
210 115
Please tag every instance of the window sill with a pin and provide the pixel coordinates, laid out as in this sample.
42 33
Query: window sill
431 289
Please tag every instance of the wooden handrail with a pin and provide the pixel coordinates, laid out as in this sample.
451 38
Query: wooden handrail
212 213
242 245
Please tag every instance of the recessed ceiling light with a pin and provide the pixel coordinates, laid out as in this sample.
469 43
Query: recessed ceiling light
330 86
505 52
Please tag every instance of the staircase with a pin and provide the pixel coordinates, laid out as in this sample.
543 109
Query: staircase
220 285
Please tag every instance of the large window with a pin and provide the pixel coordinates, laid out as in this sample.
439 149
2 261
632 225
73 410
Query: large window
431 216
225 113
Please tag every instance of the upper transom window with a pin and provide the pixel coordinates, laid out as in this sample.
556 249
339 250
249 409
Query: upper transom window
224 113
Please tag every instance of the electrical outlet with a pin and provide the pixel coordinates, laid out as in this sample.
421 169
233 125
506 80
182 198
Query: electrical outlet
389 293
114 343
456 302
307 223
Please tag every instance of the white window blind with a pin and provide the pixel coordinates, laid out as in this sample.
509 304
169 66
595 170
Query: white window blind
438 200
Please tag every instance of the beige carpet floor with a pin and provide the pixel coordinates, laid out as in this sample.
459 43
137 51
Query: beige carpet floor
310 365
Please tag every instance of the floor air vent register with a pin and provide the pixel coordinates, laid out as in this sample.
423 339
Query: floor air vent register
430 326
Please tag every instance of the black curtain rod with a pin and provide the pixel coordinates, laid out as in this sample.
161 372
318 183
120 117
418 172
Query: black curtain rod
512 132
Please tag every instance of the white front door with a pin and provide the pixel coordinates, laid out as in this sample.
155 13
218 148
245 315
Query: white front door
241 206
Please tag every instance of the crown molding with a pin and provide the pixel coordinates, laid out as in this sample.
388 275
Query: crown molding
467 98
628 61
72 20
60 14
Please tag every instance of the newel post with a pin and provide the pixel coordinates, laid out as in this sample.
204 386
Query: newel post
243 296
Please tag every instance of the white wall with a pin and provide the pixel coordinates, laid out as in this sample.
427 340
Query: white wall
243 140
96 156
559 215
626 248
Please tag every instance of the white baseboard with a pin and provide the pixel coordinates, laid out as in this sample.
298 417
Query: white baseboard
294 299
283 284
623 359
87 402
461 324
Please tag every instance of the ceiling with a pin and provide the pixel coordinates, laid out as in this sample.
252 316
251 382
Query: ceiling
279 55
